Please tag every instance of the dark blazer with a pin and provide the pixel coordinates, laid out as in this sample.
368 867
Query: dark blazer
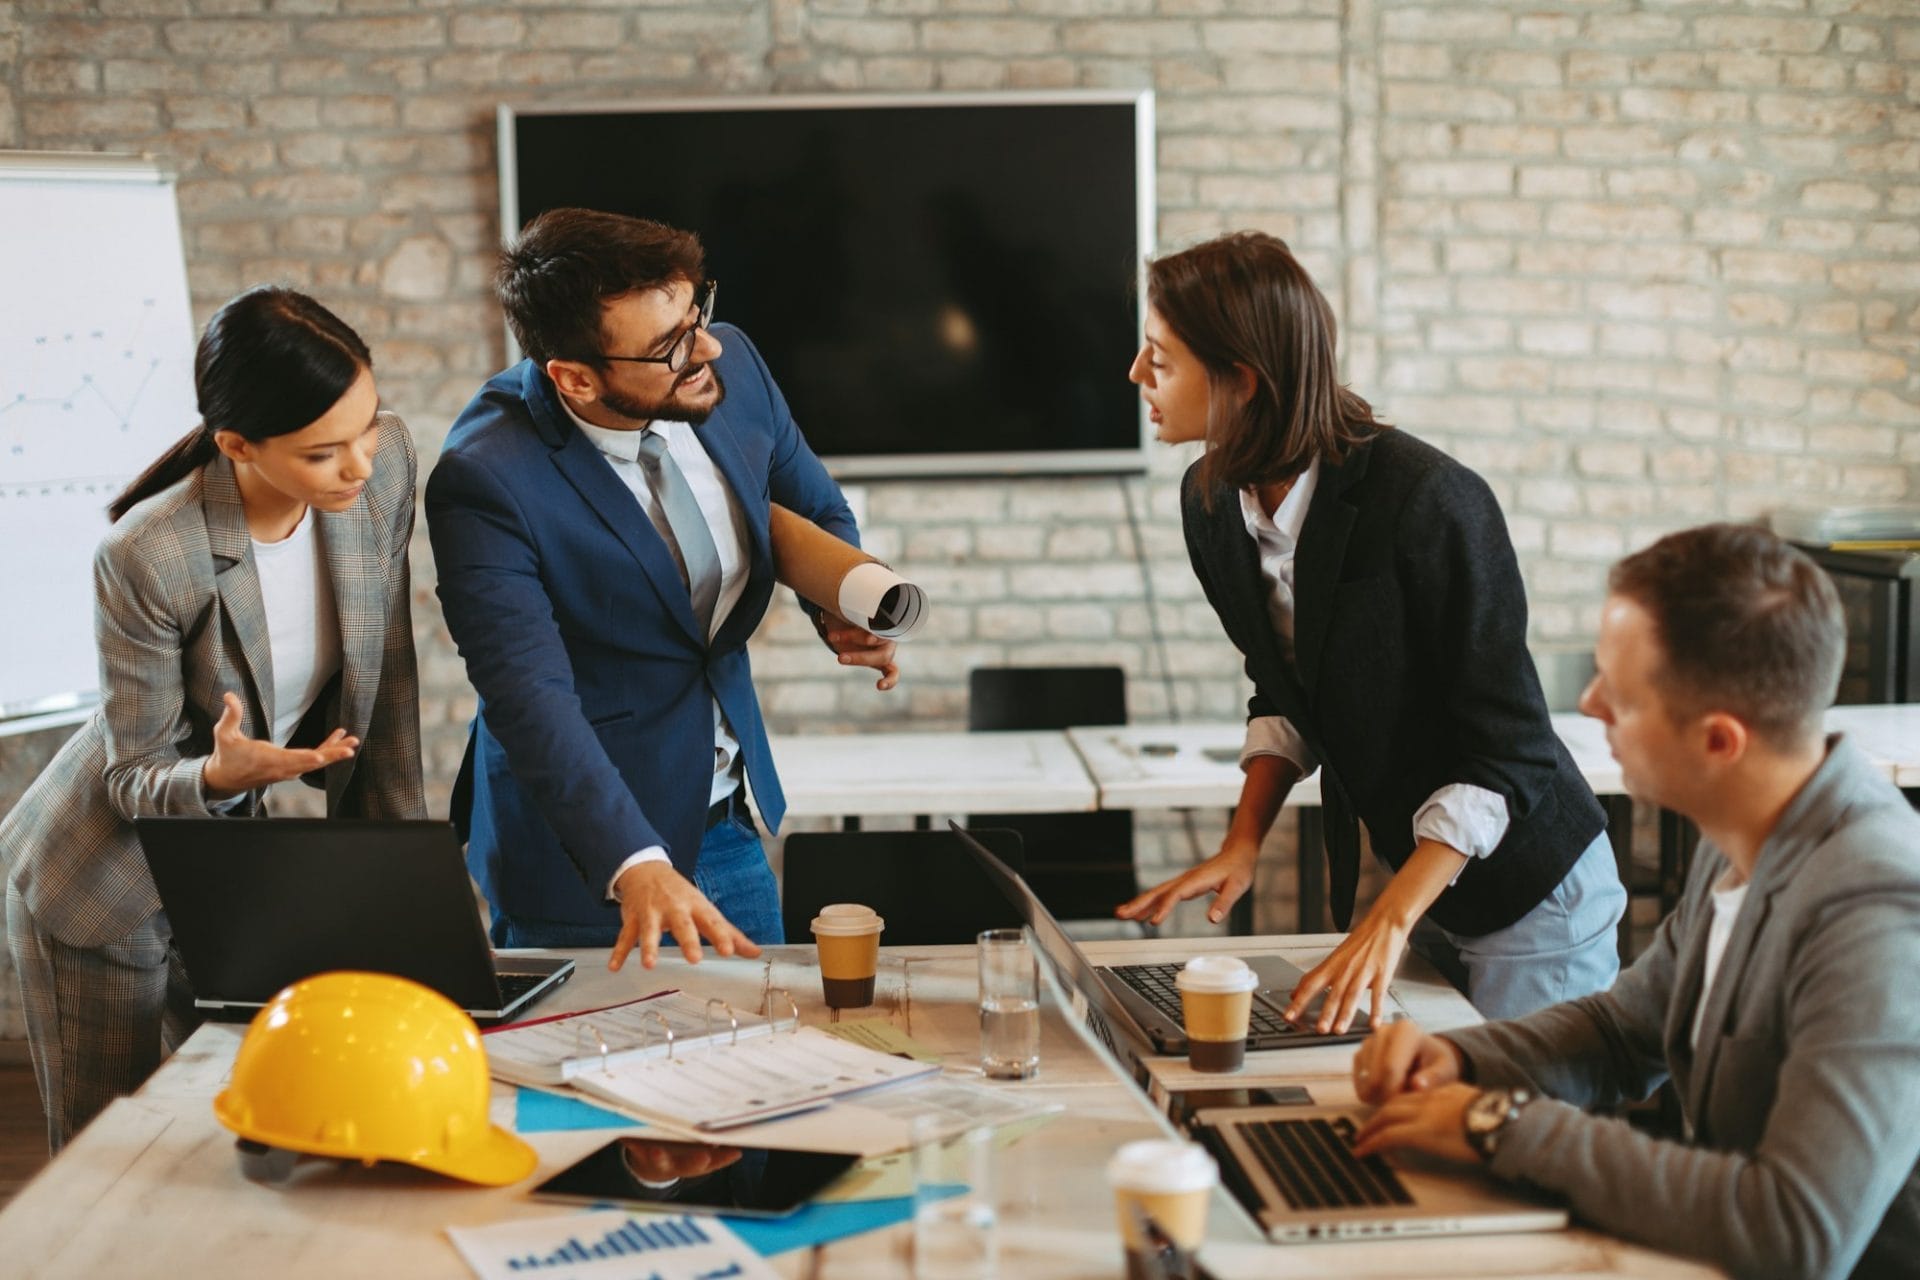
179 622
595 733
1411 669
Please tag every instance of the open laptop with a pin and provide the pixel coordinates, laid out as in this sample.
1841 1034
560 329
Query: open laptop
258 904
1294 1170
1141 999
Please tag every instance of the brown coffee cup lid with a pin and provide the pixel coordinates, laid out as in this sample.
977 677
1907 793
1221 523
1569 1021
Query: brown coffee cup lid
1217 974
847 920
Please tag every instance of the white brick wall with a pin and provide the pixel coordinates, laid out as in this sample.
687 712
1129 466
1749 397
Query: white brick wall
1643 264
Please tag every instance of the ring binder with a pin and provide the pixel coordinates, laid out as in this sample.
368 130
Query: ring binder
793 1008
771 1066
732 1017
665 1026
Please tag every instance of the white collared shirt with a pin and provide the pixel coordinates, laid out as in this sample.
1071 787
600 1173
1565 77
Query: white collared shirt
1466 818
303 624
728 525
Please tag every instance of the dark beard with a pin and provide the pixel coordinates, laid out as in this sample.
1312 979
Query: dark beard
668 409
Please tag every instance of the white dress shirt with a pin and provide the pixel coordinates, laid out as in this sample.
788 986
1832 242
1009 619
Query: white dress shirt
1469 819
728 525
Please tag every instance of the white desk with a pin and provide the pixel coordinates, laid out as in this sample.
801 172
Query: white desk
920 773
1134 769
1890 736
153 1188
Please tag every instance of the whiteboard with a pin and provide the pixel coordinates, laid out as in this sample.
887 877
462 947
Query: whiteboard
96 380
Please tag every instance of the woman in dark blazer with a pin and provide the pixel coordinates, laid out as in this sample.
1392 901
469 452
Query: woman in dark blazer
251 610
1389 652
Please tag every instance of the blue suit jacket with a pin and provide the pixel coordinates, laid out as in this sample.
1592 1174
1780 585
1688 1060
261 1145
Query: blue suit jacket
595 733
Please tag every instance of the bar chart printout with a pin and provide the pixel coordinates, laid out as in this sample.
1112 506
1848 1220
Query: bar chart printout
609 1245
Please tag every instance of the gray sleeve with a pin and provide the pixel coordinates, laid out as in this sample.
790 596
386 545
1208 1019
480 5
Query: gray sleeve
1837 1146
1601 1049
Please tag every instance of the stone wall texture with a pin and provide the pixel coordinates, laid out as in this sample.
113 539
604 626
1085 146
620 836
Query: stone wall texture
1643 263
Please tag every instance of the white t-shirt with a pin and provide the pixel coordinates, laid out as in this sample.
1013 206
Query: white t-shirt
1726 905
303 625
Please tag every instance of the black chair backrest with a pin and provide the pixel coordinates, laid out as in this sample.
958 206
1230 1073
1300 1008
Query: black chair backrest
924 884
1045 697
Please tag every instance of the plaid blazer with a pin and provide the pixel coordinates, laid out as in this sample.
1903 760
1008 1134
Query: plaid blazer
179 623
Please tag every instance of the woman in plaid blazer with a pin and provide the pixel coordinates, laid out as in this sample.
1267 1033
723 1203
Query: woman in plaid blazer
187 627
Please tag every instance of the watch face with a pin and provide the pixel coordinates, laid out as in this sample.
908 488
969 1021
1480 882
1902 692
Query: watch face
1487 1111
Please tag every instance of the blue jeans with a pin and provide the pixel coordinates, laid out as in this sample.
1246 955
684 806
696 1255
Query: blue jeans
1564 948
732 872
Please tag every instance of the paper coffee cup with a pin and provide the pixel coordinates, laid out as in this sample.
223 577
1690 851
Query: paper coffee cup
1171 1182
848 936
1216 1000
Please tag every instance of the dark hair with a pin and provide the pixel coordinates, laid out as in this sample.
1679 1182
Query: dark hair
1747 624
270 363
1244 299
555 276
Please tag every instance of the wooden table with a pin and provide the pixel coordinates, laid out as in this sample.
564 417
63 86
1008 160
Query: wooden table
152 1188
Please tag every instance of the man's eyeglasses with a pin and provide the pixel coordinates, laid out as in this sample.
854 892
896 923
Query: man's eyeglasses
682 349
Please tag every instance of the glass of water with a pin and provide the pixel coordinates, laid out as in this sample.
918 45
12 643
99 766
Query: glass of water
1009 1005
955 1221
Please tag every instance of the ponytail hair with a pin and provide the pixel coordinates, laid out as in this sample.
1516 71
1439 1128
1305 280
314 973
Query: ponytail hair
271 362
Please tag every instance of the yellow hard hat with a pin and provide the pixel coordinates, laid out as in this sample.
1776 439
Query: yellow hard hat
367 1066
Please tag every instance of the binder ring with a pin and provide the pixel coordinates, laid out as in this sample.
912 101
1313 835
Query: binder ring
732 1017
793 1009
589 1029
665 1026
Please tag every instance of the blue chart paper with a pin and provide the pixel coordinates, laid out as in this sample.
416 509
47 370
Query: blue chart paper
609 1245
537 1112
824 1223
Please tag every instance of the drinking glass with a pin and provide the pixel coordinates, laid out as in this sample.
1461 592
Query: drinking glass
1009 1005
955 1223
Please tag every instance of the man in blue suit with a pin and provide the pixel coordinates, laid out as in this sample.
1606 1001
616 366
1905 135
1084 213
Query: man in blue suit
599 522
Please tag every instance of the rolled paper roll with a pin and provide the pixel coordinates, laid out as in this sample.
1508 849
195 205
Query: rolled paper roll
839 576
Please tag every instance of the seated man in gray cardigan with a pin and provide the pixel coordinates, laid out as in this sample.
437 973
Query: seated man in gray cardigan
1779 996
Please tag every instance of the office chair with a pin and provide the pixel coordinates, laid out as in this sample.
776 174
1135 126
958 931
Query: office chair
1080 864
924 884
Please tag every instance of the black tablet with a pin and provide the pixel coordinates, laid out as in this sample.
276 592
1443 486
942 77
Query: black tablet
665 1174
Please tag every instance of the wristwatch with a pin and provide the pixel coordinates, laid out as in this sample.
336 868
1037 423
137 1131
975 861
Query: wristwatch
1488 1116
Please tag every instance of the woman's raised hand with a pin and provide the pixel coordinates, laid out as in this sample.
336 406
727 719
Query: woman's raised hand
240 763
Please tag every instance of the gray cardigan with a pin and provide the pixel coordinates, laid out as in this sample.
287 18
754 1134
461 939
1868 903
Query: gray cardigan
1803 1104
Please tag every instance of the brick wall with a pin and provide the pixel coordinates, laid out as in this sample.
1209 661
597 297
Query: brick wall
1642 262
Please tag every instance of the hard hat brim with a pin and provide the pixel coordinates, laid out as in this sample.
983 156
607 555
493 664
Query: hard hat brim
495 1159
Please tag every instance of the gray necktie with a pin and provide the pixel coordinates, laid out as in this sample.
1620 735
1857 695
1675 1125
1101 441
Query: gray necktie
687 532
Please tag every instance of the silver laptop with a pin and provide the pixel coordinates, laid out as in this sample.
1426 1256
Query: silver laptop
1295 1171
258 904
1140 999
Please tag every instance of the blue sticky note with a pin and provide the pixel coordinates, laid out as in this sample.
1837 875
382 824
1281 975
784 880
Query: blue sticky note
538 1112
823 1223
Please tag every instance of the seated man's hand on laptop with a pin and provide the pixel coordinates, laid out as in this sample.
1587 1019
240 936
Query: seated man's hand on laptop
656 899
1401 1058
1434 1122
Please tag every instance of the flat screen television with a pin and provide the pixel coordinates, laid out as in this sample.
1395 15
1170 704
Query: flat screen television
941 285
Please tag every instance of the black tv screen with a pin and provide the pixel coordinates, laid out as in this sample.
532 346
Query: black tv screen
939 284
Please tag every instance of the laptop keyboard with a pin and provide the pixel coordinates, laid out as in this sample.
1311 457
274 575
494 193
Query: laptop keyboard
515 985
1155 984
1313 1165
